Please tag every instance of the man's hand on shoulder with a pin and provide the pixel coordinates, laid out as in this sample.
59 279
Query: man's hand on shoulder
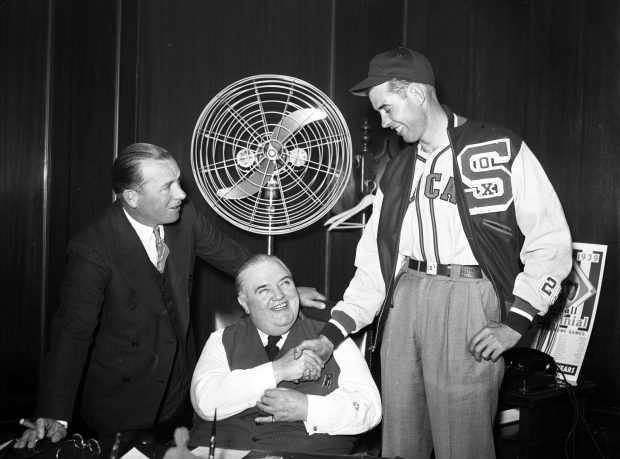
321 346
492 341
310 297
43 428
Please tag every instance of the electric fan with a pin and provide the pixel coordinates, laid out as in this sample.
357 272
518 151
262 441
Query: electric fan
271 154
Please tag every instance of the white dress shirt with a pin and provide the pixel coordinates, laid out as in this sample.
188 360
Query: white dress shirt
354 407
145 233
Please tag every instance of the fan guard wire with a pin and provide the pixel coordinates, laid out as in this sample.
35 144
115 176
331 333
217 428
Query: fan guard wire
286 174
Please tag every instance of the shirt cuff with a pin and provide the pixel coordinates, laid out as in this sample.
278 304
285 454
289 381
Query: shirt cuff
316 413
520 316
333 333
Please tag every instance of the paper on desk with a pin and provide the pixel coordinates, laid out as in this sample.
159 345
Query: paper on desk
220 453
200 452
134 453
507 416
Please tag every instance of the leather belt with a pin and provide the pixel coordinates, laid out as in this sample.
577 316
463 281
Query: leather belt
470 271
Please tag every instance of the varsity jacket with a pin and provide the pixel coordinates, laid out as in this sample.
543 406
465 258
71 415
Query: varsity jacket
504 230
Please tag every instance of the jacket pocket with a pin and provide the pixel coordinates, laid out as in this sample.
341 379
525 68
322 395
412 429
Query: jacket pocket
497 228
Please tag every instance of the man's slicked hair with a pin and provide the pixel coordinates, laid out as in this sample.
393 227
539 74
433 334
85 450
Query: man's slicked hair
127 168
253 261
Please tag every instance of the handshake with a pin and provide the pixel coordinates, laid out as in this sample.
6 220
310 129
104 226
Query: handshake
304 362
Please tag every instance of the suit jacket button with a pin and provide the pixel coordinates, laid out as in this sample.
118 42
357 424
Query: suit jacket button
126 379
135 344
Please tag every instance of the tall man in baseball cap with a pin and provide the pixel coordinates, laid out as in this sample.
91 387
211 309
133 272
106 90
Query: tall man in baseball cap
467 243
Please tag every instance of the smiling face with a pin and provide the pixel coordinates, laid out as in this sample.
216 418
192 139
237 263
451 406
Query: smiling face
158 200
404 114
269 295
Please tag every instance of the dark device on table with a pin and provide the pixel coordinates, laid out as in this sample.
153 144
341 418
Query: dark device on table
528 369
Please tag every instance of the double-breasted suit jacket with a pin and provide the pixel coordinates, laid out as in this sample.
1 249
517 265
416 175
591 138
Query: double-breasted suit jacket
111 339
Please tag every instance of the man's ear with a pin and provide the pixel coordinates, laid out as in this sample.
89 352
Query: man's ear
417 92
131 198
243 302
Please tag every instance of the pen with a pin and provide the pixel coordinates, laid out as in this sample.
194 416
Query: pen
7 446
29 423
212 440
114 450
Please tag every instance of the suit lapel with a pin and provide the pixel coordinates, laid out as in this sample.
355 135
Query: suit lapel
178 265
133 261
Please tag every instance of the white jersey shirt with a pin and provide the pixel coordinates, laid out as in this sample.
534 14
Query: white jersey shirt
432 229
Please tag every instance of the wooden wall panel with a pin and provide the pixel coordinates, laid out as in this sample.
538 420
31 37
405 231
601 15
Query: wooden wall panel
83 123
23 59
56 162
363 29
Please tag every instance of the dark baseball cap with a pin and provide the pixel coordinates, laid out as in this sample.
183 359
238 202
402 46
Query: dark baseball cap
402 63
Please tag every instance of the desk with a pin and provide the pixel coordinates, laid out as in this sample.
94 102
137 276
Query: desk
546 418
156 451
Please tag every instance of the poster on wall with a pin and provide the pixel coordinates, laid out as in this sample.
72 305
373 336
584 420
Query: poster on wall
564 332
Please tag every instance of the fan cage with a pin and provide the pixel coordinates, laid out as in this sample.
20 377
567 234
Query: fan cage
230 143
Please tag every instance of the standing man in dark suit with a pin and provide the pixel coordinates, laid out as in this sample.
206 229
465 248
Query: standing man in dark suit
121 341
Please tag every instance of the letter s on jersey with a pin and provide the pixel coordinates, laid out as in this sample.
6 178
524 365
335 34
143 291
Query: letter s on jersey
486 177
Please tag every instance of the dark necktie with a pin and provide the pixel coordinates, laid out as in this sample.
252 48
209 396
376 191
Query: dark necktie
162 250
271 348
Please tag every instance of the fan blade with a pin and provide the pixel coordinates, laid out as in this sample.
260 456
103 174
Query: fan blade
251 184
293 122
288 126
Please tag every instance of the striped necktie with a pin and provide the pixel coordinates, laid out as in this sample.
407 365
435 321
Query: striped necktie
162 250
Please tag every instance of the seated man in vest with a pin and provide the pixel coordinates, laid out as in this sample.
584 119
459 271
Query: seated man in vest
261 405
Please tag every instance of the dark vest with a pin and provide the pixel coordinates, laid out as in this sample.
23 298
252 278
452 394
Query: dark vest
245 350
494 237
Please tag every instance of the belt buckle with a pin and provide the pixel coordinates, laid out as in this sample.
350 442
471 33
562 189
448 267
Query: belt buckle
431 268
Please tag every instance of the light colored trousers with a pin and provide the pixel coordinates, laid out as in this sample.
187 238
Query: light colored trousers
434 392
